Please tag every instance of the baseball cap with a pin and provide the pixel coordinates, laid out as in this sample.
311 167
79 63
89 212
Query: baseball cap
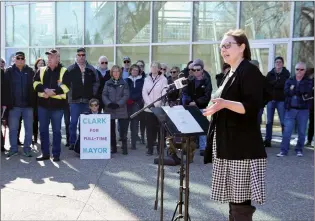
51 51
126 58
80 50
198 62
20 53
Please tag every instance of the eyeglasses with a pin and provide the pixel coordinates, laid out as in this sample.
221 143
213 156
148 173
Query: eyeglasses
299 69
227 45
20 58
81 55
93 105
126 62
195 70
140 65
173 72
104 62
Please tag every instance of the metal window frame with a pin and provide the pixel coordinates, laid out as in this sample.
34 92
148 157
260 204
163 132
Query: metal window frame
289 41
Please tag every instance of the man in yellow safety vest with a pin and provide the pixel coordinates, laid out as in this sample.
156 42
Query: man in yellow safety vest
51 90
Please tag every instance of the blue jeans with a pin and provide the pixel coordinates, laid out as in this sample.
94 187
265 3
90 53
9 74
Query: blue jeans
75 111
202 139
134 123
45 116
301 116
14 120
271 106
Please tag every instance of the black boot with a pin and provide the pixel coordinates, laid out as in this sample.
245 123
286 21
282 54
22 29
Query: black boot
124 147
242 212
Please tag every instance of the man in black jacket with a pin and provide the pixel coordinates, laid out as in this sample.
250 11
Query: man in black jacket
51 87
104 75
84 85
198 93
19 101
276 79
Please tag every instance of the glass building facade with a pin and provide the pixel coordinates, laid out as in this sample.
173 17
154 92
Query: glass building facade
169 32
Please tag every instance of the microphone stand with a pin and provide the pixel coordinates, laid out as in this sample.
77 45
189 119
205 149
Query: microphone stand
161 152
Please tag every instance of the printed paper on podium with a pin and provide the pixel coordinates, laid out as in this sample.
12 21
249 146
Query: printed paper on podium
182 119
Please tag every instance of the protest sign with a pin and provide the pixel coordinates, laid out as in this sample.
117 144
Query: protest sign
95 136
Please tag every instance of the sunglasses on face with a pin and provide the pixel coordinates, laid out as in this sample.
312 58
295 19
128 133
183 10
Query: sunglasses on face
104 62
195 70
227 45
191 69
20 58
299 69
94 105
2 62
173 72
126 62
81 55
163 69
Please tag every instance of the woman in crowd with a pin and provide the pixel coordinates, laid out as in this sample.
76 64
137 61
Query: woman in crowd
153 88
115 95
142 115
239 157
38 63
135 102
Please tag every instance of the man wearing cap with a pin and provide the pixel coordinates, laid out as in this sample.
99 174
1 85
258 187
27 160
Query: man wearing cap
51 86
84 85
276 79
125 68
198 93
19 101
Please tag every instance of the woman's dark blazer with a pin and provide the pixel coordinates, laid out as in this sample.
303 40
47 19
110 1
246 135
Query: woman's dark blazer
238 136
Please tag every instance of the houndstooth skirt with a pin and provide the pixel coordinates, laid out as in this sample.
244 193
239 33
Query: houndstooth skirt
238 180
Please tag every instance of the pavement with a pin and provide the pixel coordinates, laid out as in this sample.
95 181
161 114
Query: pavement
123 188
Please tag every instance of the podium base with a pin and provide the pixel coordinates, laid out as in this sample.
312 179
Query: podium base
169 160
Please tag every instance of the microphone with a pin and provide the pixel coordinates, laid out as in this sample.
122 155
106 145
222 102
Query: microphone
179 83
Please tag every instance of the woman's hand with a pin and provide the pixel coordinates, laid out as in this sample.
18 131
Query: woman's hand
217 105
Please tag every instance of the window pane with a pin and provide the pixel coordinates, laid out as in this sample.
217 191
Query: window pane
171 21
10 55
262 56
210 54
133 22
303 51
69 23
17 26
67 56
135 53
42 24
99 22
37 53
263 20
213 19
93 55
176 55
281 50
304 19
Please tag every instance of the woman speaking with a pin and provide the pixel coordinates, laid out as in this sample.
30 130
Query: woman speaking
238 154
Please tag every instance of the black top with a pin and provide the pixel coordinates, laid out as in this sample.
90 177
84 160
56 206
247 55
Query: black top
238 136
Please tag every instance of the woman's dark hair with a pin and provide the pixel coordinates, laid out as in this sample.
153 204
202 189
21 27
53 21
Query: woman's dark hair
189 64
241 38
225 66
36 63
141 61
134 66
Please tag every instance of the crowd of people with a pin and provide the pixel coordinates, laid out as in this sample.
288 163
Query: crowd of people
49 92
